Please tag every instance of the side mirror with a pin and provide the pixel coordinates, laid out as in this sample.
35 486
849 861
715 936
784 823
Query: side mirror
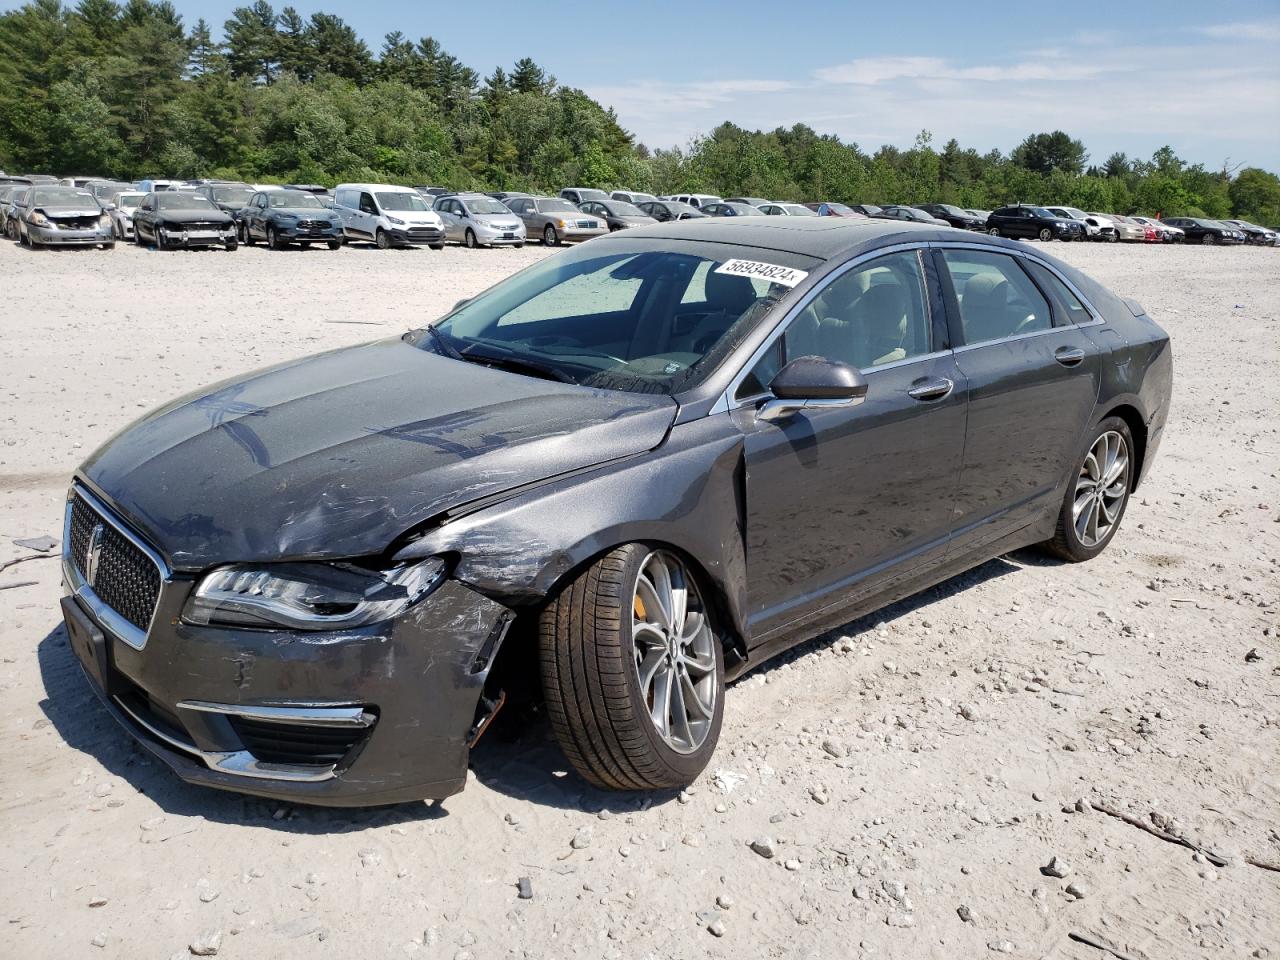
813 382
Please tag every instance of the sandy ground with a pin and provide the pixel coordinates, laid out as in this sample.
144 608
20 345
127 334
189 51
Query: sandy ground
913 771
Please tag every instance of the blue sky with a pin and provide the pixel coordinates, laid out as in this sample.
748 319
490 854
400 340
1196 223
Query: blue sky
1130 76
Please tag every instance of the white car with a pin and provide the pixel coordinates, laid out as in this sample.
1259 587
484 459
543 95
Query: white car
388 215
1096 227
786 210
698 200
478 220
1168 234
121 210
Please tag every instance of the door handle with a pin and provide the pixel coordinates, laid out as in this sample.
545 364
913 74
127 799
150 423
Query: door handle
934 388
1068 356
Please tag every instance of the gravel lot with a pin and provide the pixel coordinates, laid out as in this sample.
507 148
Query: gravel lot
910 774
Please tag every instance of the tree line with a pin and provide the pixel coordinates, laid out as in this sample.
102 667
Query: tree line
127 90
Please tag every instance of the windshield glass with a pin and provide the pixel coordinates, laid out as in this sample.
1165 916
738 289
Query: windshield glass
485 205
620 209
182 201
65 197
294 199
556 206
407 200
128 201
236 195
798 211
839 208
649 317
592 195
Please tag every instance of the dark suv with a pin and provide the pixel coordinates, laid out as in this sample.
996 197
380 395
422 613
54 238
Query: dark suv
1032 223
953 215
1202 230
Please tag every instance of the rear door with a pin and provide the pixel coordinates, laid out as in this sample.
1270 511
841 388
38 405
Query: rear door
1033 377
844 501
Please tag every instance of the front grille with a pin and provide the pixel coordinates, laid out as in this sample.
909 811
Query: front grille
313 224
297 743
424 233
75 223
126 580
586 224
204 226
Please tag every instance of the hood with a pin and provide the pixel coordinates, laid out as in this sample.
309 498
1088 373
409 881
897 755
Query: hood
306 213
338 454
187 215
80 211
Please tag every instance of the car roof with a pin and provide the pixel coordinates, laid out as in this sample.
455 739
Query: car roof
820 237
375 186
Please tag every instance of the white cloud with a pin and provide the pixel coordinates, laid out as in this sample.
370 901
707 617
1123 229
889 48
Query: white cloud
1265 30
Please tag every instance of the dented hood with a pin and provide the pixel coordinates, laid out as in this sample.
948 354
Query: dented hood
338 454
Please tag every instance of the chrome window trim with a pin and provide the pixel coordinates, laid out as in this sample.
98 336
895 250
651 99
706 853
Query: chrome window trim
81 590
726 402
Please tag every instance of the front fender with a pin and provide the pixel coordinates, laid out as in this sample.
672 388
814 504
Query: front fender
687 494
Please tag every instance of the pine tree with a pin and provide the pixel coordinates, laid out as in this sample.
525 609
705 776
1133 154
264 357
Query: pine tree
252 45
528 77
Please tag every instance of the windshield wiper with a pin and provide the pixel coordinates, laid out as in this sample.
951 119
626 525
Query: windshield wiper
438 339
510 360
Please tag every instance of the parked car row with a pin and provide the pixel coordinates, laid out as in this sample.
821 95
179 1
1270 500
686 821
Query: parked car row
91 211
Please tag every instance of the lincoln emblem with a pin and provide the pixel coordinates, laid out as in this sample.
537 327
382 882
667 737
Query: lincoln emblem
92 554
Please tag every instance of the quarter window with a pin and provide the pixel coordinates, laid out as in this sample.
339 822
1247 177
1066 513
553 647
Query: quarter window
868 317
1067 308
997 298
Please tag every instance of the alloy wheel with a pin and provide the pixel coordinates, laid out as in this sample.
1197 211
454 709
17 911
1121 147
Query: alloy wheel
994 231
1101 489
549 236
675 657
1046 234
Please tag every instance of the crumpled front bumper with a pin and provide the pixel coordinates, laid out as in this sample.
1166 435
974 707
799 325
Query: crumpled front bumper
54 237
196 696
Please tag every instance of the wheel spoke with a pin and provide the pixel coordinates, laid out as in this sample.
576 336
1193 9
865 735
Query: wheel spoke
643 632
701 662
701 710
660 711
1091 467
1082 502
661 578
679 607
1084 520
679 715
651 601
1116 470
648 669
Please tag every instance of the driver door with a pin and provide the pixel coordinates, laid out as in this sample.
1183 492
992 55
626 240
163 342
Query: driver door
841 502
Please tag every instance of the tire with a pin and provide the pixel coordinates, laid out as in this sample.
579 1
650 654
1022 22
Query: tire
382 240
1045 234
160 241
519 244
436 246
245 236
1208 240
232 246
273 239
993 231
335 244
1079 536
304 244
549 237
1113 238
598 706
470 239
109 246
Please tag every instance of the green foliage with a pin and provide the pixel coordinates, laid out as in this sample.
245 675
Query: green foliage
124 90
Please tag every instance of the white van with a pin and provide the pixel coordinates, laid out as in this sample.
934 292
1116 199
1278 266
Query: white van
158 186
388 215
698 200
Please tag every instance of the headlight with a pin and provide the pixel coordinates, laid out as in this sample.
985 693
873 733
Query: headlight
38 218
309 596
396 220
104 220
561 224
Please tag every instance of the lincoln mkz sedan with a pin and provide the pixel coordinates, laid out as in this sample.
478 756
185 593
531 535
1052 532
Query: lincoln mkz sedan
632 471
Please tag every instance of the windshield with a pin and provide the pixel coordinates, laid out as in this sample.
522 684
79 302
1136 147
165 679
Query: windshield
485 205
182 201
128 201
647 317
236 195
954 211
556 206
65 197
620 209
592 195
798 211
294 199
839 208
406 200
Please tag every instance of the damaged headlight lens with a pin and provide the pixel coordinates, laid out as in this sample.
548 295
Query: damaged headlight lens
309 596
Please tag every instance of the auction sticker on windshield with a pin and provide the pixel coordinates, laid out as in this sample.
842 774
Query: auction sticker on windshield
764 271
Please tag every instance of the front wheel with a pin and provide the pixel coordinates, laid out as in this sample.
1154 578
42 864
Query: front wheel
633 671
273 239
470 240
1209 240
245 236
382 240
1097 494
994 231
436 246
109 246
549 236
231 246
335 244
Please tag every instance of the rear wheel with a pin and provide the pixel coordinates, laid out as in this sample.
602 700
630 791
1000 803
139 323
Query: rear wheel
1209 240
994 231
549 236
1046 234
1097 494
633 671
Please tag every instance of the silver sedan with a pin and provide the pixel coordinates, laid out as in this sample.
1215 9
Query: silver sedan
556 220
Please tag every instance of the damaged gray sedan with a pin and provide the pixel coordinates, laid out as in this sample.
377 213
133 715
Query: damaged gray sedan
633 471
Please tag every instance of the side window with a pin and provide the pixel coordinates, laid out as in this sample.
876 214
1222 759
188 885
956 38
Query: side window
366 204
997 299
1067 307
872 315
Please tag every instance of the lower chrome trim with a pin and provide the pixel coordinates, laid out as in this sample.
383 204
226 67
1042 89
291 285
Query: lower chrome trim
304 714
237 763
